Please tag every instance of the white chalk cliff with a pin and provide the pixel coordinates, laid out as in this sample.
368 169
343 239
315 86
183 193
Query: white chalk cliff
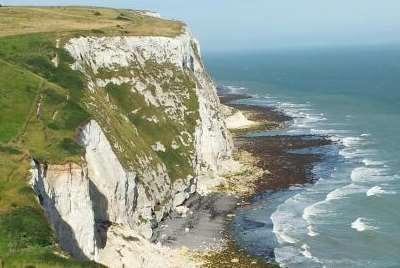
104 208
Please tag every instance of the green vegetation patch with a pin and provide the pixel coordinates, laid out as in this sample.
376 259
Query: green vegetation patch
17 95
173 131
40 112
48 98
38 257
22 228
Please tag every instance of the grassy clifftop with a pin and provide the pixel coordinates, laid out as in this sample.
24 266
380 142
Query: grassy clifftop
41 108
24 20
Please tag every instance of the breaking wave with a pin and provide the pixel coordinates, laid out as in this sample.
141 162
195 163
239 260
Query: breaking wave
362 224
377 190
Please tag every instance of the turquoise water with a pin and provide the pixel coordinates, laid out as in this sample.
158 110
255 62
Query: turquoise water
351 216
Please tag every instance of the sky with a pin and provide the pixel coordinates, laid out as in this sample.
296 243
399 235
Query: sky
229 25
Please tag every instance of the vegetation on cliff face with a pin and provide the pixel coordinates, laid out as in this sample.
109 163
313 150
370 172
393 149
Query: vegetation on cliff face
147 122
43 102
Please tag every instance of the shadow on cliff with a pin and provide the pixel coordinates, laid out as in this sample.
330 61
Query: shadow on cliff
101 217
65 233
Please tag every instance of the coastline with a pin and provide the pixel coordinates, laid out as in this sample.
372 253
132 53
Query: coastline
203 225
288 200
278 170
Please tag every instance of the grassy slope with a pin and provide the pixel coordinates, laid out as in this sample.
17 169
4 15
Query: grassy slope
29 80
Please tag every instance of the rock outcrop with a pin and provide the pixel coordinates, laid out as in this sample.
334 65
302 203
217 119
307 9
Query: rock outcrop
156 134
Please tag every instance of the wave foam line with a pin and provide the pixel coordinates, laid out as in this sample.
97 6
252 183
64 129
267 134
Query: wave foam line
307 253
362 224
377 190
311 231
344 191
369 162
366 174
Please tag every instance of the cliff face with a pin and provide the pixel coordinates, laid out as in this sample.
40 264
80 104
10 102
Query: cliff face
156 133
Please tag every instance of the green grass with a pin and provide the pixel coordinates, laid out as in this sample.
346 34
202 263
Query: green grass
39 257
14 167
34 52
17 97
49 135
167 129
24 228
27 239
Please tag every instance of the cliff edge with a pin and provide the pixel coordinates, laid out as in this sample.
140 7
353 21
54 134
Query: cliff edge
116 118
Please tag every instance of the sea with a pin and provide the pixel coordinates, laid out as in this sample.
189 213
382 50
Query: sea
350 217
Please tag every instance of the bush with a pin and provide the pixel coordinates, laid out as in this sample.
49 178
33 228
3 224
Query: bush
25 227
70 146
122 17
97 31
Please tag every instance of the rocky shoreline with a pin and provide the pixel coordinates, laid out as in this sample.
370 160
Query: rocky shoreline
273 153
203 226
285 168
280 168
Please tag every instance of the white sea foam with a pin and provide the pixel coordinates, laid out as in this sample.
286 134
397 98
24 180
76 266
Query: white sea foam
288 224
329 132
283 237
351 141
282 226
334 138
377 190
344 191
313 210
307 253
286 218
234 89
367 174
362 224
351 153
369 162
335 194
311 232
293 256
322 131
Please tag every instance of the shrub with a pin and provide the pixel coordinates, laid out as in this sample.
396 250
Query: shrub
122 17
97 31
25 227
70 146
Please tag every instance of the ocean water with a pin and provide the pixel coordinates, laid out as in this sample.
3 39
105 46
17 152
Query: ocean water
351 216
